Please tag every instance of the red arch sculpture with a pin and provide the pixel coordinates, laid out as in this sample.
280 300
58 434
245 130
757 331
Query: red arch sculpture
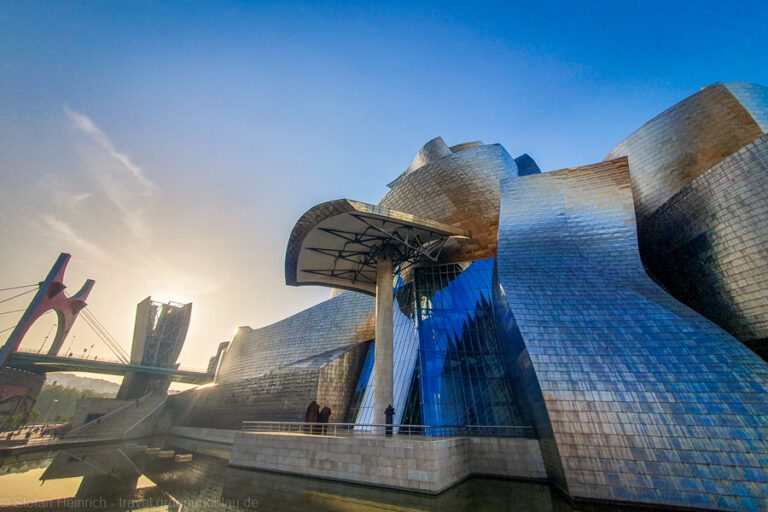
49 297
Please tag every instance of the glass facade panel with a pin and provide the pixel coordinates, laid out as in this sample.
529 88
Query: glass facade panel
405 348
365 375
444 319
462 380
462 377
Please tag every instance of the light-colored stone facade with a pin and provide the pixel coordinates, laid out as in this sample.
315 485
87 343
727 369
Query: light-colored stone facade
423 464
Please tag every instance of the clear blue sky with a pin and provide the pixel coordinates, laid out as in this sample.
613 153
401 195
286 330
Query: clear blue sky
170 147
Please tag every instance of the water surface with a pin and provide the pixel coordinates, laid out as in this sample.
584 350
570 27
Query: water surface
125 477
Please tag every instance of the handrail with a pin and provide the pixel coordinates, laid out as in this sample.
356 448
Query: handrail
154 410
128 403
363 429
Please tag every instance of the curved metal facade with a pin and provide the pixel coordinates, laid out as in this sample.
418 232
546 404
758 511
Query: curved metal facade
634 396
682 143
274 372
699 181
337 323
709 244
459 188
547 317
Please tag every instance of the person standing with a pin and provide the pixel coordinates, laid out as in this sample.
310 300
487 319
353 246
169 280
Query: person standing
390 415
323 418
311 416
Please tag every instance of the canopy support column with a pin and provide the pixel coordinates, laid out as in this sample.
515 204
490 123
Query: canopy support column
382 363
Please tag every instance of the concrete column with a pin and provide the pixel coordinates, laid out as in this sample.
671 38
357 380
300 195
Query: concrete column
382 364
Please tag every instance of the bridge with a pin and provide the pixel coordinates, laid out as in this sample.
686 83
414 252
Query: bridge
159 334
46 363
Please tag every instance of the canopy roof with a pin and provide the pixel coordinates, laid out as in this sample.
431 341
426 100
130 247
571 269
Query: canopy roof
336 243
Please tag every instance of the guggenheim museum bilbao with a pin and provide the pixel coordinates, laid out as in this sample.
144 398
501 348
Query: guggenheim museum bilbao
619 309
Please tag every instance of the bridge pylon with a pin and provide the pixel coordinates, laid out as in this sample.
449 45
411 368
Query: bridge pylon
50 296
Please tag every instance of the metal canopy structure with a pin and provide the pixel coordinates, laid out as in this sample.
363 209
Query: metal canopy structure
357 246
337 244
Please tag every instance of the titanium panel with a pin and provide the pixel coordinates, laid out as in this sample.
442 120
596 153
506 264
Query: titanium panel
280 395
340 322
681 143
699 179
754 98
461 189
644 399
708 244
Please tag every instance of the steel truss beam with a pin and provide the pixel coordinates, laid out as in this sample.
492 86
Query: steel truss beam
405 239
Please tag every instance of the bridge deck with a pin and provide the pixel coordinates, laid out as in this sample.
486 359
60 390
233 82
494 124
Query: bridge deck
44 363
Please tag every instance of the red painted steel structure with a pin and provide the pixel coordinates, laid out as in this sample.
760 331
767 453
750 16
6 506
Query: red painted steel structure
49 297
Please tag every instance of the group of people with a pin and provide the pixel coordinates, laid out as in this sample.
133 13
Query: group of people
40 431
316 415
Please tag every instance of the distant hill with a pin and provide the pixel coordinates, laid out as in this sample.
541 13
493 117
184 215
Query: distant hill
82 383
56 404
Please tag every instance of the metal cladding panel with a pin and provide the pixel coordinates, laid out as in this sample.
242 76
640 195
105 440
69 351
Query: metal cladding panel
647 401
343 321
674 148
337 381
754 98
280 395
461 189
708 244
431 151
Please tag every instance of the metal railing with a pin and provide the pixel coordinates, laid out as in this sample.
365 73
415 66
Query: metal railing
371 429
98 420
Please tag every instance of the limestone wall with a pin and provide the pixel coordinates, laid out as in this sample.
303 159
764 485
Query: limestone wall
429 466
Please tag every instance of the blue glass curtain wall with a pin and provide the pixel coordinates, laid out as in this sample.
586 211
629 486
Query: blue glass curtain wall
447 355
357 397
462 378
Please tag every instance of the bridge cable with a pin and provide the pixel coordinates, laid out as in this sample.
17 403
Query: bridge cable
117 354
104 335
8 329
18 287
19 295
109 338
96 330
13 311
110 345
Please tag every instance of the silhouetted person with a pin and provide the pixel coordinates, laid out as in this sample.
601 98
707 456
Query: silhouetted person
390 414
311 416
323 417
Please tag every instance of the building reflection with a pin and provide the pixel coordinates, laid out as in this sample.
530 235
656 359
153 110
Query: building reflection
124 477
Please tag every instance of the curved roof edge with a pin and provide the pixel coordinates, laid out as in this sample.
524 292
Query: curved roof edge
355 219
727 86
